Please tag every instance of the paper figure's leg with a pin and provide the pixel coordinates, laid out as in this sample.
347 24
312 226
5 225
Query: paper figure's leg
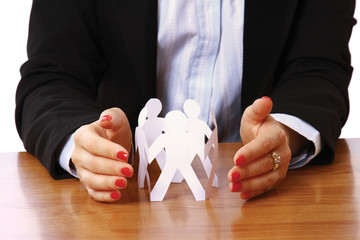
161 159
193 182
142 170
141 146
148 179
213 156
208 167
163 183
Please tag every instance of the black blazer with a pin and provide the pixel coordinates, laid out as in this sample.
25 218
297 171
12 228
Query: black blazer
89 55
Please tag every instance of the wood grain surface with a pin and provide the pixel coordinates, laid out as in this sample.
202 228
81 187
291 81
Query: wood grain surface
314 202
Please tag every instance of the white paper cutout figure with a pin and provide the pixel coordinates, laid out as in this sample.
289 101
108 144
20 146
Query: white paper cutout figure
151 126
199 129
179 155
176 141
141 146
211 152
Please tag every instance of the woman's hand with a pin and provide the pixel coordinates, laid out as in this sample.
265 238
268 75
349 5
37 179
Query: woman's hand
101 153
254 172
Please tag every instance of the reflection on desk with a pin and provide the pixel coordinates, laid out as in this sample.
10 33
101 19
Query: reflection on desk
313 202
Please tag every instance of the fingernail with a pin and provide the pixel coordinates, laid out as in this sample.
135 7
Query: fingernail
105 118
126 172
245 195
235 176
266 97
236 187
120 183
115 195
240 160
122 155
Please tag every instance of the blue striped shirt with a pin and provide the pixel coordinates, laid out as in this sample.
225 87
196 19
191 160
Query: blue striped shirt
200 56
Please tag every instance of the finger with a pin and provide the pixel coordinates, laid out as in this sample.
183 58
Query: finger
256 167
260 165
102 182
101 165
262 182
256 184
88 139
104 196
250 179
248 195
260 146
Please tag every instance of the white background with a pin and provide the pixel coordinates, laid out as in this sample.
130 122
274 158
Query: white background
14 16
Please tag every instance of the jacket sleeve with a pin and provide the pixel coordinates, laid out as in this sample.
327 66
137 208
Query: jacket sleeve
58 89
315 69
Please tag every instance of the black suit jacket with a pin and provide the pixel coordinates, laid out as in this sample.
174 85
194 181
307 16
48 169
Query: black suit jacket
89 55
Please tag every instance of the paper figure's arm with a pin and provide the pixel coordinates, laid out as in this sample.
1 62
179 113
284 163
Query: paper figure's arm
207 130
211 143
213 138
156 148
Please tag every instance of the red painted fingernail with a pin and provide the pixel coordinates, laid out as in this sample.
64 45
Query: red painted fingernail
236 187
120 183
240 160
245 195
235 176
115 195
105 118
126 172
122 155
266 97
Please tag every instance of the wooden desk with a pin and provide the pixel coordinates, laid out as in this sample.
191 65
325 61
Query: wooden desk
315 202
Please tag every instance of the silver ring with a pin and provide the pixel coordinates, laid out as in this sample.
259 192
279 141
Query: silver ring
276 160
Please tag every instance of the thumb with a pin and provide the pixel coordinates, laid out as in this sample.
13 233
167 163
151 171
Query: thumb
253 118
116 126
258 111
113 118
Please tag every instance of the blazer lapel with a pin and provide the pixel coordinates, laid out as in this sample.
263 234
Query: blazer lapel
137 24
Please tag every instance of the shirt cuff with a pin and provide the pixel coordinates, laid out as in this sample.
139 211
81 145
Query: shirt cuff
65 157
306 130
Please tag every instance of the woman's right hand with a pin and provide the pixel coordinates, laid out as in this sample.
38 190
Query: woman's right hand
101 153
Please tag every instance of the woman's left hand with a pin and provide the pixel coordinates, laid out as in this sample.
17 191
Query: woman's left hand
256 170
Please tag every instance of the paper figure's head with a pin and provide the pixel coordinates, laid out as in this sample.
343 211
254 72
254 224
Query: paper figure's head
153 107
192 108
175 120
142 117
